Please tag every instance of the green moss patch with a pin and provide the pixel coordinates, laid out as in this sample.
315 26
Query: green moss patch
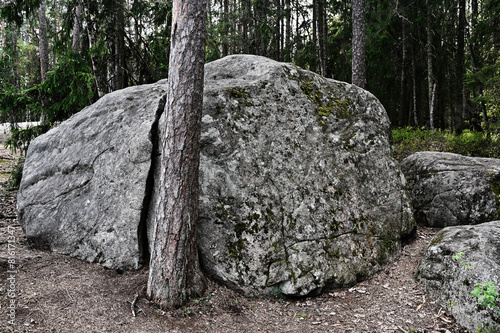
327 105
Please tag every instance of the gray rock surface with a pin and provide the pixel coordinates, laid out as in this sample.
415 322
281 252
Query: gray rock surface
451 281
298 187
450 189
84 182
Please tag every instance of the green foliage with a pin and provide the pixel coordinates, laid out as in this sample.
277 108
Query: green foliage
68 89
16 175
277 293
465 264
474 144
486 294
409 140
21 137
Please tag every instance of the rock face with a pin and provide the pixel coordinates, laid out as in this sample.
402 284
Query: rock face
84 186
450 189
451 281
298 189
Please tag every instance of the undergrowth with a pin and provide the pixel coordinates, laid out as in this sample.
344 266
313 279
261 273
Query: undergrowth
409 140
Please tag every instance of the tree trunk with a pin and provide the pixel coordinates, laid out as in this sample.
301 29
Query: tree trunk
358 43
4 39
245 19
314 62
44 45
174 273
120 77
324 28
431 106
288 30
460 70
225 29
277 31
430 77
414 87
44 50
322 36
76 28
58 18
475 55
404 102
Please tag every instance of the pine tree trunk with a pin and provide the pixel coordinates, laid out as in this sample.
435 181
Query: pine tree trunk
225 29
120 77
430 77
44 45
314 63
174 273
460 69
404 103
288 29
4 40
76 28
324 28
277 31
358 43
414 87
244 25
44 50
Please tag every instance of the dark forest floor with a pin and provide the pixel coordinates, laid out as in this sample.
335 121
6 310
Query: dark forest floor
56 293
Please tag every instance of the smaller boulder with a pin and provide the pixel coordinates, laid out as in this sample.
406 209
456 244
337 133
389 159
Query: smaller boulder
450 189
451 280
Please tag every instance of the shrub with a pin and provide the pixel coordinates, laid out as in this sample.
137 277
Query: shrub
410 140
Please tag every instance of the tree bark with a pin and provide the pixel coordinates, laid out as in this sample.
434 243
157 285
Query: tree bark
245 19
404 102
324 22
76 28
322 34
44 45
4 39
288 30
430 77
277 31
120 77
414 87
225 29
475 55
358 43
460 69
44 50
314 64
174 273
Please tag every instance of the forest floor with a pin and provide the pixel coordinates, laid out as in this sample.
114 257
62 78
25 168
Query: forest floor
57 293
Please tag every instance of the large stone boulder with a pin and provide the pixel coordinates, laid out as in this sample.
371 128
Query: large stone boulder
451 281
298 188
84 186
450 189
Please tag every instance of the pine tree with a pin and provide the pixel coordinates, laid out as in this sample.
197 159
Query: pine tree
174 274
358 43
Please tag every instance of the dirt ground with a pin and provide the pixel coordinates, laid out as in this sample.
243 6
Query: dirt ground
56 293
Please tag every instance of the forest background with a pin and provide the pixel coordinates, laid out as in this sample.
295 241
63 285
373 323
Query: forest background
433 64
